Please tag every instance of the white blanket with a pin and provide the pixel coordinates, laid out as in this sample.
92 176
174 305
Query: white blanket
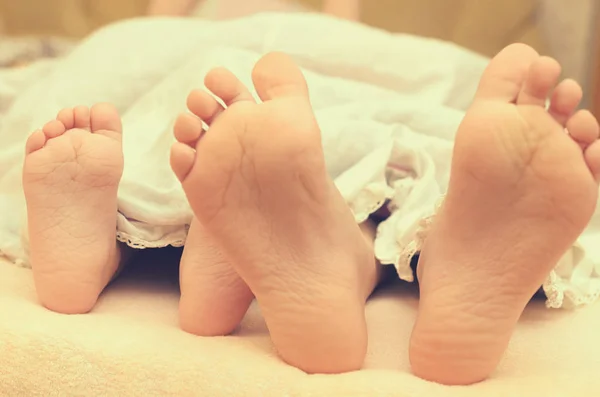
388 106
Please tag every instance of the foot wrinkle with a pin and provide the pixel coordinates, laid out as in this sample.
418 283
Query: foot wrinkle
515 176
68 187
255 197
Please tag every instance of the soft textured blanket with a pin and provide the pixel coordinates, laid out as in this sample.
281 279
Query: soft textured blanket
131 346
376 96
380 99
360 79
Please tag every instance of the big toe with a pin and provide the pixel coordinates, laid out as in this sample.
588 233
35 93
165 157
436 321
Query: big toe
504 77
105 117
276 75
541 79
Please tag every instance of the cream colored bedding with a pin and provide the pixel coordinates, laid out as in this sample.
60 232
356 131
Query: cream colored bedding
130 345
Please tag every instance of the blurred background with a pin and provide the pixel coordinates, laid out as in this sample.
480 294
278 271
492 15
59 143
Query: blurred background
565 29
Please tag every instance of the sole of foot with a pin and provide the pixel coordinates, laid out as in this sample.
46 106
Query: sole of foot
214 298
523 187
71 176
257 182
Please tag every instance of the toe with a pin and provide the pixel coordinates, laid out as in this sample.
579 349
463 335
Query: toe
565 99
182 160
81 117
204 105
592 158
36 141
53 129
276 75
506 73
67 117
583 128
227 86
188 129
541 79
104 118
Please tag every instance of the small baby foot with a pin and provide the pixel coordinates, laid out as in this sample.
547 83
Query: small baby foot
257 182
71 175
521 191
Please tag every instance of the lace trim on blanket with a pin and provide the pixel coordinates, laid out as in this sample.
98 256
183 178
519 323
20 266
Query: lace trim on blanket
138 243
560 292
131 241
406 254
370 199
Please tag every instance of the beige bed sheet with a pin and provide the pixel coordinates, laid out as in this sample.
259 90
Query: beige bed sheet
130 345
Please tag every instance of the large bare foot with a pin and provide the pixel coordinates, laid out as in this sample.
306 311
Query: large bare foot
70 177
521 191
257 183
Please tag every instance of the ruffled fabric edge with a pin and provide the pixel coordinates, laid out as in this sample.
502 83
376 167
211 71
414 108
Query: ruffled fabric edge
574 282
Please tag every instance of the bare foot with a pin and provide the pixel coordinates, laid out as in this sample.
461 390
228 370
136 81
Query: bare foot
70 177
214 299
521 192
257 182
